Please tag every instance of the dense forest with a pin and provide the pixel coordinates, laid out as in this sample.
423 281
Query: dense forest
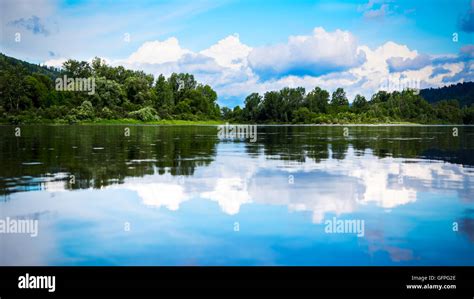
463 92
293 105
29 94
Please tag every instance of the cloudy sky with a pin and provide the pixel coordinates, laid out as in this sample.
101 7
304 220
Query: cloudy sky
239 47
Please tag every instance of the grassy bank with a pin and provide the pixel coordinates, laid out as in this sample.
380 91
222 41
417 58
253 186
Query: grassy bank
128 121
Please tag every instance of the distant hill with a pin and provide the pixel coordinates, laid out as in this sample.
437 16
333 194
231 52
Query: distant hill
7 62
463 92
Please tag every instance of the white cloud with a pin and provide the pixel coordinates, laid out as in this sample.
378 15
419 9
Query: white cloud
219 65
157 52
229 52
55 62
365 79
230 193
159 194
317 54
398 64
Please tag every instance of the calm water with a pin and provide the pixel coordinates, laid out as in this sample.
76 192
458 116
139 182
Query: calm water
181 196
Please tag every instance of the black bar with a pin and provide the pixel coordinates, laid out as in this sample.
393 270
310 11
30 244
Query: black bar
243 282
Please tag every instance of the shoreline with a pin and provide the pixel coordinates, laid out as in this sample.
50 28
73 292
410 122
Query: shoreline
131 122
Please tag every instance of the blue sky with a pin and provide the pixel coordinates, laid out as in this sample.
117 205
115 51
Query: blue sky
258 45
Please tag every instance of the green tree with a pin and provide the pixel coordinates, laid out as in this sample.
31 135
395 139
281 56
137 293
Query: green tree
380 97
360 104
84 112
449 111
36 91
252 108
12 89
272 106
468 115
145 114
164 97
317 100
237 113
108 93
77 69
136 89
339 102
292 99
180 84
303 115
226 113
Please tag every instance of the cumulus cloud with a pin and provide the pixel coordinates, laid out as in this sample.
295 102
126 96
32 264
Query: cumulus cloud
375 70
399 64
367 78
221 65
317 54
439 71
466 60
393 61
464 75
156 52
229 52
457 68
466 54
168 56
228 57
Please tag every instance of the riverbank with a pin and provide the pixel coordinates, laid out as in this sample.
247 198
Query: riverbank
128 121
205 122
219 122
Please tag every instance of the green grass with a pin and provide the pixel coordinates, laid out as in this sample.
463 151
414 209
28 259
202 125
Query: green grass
128 121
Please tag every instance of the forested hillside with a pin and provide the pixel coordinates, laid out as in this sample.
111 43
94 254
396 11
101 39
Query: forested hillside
28 93
462 92
11 63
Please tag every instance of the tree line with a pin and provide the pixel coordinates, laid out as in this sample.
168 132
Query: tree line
119 93
294 105
28 94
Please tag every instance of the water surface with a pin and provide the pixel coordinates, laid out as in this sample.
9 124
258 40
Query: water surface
179 195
